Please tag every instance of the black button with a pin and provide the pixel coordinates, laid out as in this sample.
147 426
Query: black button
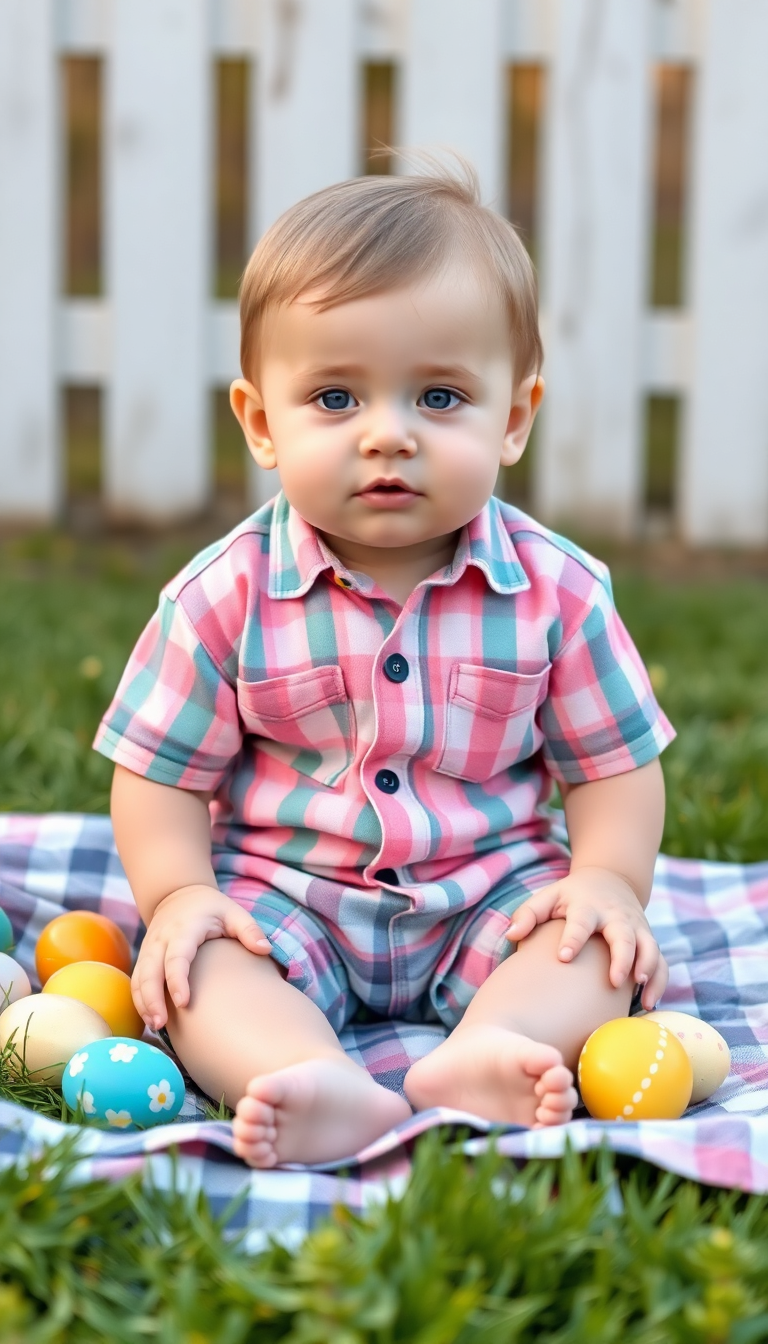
395 667
387 781
387 875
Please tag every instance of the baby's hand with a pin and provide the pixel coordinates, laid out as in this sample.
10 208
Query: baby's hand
181 923
595 900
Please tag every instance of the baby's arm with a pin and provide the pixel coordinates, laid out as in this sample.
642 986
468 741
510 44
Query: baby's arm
614 827
163 837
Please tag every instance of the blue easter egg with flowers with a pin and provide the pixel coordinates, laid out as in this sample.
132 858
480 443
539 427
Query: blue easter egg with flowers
123 1084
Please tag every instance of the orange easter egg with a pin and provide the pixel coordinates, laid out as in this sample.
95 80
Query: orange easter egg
80 936
634 1069
102 987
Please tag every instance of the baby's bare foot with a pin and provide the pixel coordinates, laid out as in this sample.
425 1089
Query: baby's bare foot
497 1074
315 1111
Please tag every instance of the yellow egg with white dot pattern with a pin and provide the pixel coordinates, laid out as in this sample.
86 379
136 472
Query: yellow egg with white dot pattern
634 1069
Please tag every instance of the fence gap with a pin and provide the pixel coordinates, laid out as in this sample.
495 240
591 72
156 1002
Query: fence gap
230 461
82 93
673 92
525 94
82 414
232 95
662 434
379 91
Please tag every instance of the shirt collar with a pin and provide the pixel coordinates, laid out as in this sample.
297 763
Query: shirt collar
297 555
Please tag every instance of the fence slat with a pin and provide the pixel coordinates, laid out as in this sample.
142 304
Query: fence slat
452 85
158 258
724 496
29 448
593 265
305 119
306 104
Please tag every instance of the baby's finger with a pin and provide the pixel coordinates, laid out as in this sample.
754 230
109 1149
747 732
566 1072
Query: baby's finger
620 937
178 959
239 924
148 986
656 985
646 956
536 910
580 924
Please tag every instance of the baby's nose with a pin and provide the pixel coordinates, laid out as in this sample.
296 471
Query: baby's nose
387 431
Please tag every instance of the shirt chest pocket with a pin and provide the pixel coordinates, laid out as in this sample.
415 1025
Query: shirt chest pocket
490 721
304 719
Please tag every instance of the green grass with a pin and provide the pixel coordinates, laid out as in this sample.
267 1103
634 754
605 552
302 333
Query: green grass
473 1252
566 1251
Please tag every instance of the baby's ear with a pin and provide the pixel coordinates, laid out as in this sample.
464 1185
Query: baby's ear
521 417
248 406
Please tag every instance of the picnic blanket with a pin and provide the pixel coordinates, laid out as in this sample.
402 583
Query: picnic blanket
711 920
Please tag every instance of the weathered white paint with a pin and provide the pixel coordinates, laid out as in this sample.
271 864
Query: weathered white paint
158 258
724 494
84 342
306 100
29 436
594 264
84 27
453 92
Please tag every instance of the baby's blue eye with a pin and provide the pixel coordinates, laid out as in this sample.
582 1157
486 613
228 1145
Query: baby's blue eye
439 399
335 399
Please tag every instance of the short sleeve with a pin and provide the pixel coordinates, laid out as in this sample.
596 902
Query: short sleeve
600 717
174 716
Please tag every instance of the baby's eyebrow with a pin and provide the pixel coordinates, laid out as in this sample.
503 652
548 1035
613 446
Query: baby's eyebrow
457 372
329 371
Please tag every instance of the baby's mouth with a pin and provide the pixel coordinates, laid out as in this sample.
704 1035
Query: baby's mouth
388 488
388 494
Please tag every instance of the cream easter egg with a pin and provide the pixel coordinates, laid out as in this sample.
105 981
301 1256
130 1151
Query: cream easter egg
634 1069
14 981
47 1029
708 1052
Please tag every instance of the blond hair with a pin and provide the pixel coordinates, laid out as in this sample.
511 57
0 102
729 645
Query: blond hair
378 233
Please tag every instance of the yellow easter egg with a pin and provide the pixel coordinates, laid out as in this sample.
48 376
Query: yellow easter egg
47 1029
708 1052
634 1069
102 987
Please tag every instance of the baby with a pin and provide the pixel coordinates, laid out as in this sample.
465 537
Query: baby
336 740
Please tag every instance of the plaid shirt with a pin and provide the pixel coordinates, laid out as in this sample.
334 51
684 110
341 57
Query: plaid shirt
350 739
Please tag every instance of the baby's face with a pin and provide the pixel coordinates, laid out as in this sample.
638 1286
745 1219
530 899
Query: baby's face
389 416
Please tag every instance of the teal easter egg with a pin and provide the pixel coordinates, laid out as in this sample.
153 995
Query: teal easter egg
124 1084
6 933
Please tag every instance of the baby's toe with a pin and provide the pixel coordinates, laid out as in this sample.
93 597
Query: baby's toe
557 1079
252 1111
261 1154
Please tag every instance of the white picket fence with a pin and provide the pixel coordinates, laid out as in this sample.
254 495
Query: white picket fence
158 343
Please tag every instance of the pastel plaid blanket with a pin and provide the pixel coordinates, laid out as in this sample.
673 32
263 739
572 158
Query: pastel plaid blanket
711 921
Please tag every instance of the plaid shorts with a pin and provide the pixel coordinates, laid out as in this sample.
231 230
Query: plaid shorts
355 952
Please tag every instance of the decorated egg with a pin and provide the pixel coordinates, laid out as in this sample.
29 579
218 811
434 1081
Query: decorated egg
124 1084
708 1052
102 987
14 981
80 936
634 1069
47 1029
6 932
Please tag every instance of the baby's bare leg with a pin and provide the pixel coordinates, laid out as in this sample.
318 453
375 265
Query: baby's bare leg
252 1038
512 1056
